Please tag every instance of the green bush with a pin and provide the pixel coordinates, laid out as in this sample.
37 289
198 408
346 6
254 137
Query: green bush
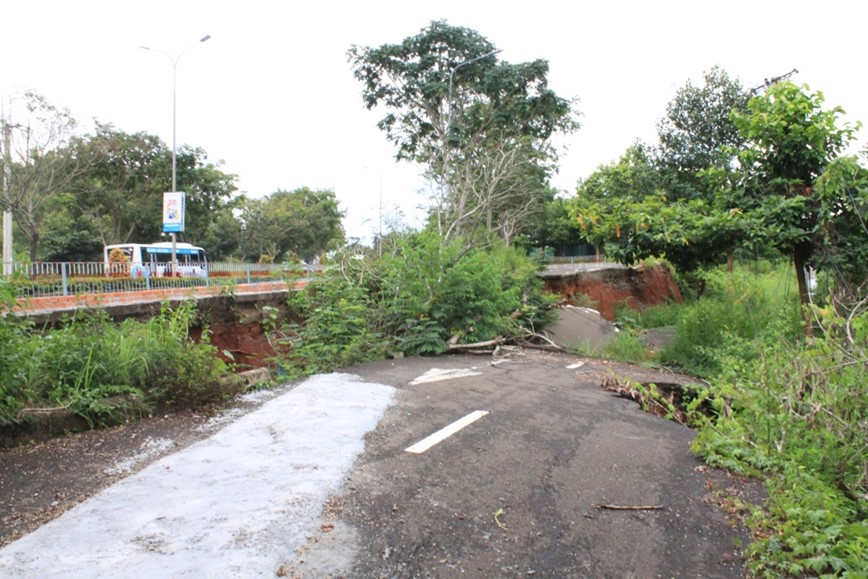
792 411
738 315
106 372
335 330
798 413
417 300
429 293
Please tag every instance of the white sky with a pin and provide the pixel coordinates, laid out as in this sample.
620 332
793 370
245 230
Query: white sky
273 96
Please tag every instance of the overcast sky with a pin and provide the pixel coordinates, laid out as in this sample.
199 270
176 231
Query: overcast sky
272 95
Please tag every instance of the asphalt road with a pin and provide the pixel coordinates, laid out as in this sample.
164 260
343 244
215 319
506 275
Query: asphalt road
555 477
523 490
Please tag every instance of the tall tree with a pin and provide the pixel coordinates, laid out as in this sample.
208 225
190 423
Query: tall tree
303 222
40 162
66 234
791 139
481 127
208 190
625 209
698 135
122 190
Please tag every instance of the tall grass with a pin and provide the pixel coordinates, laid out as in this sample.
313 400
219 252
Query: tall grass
107 372
790 410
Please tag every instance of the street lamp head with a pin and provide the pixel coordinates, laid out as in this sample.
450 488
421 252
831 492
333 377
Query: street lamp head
204 38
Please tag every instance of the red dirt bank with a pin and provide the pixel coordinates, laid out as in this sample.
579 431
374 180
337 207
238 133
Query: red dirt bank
608 286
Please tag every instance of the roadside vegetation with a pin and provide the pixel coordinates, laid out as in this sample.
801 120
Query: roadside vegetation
105 372
792 412
424 297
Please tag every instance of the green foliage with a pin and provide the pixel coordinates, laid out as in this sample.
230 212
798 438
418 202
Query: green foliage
104 371
790 137
697 135
120 193
431 293
626 346
800 413
843 190
303 223
335 331
416 301
689 234
795 413
482 128
425 77
737 315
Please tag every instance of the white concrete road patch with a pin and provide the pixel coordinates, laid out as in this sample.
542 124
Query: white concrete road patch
234 505
445 432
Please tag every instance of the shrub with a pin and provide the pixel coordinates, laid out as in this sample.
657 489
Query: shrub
104 371
414 301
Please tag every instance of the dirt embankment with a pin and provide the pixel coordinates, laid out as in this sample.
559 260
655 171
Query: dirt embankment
637 286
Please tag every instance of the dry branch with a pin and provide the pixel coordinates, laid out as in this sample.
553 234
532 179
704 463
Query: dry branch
631 507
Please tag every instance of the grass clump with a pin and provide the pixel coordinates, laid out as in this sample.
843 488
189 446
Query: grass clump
105 372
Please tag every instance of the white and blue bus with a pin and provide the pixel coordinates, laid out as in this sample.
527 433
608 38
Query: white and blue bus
155 259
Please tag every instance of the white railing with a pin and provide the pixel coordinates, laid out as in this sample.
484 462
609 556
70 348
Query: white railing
49 279
576 259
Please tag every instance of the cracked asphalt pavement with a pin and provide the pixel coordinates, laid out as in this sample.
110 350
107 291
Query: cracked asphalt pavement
559 478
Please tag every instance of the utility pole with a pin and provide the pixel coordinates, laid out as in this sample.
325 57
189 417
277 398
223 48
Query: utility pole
5 159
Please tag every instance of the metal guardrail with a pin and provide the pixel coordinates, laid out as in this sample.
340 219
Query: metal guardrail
52 279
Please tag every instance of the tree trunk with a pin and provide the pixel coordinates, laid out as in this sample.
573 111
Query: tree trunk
800 258
34 245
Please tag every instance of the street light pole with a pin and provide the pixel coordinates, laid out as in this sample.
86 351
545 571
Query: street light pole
174 61
379 214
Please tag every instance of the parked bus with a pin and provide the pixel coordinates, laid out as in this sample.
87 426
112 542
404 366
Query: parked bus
155 259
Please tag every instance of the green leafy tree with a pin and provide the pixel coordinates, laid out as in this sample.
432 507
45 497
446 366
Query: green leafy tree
698 135
121 193
66 234
624 208
842 251
482 128
122 190
208 191
304 223
39 161
222 239
554 228
790 142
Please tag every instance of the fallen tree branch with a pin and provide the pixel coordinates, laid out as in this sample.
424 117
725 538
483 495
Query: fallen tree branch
631 507
477 345
546 339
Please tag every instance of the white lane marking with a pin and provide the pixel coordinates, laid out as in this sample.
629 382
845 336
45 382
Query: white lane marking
445 432
438 374
576 365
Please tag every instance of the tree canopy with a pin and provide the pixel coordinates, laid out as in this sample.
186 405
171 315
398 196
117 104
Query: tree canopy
303 223
480 126
779 183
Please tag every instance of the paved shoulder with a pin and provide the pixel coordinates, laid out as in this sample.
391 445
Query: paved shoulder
235 504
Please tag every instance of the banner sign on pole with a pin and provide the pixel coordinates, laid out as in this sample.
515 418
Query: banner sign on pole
173 212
